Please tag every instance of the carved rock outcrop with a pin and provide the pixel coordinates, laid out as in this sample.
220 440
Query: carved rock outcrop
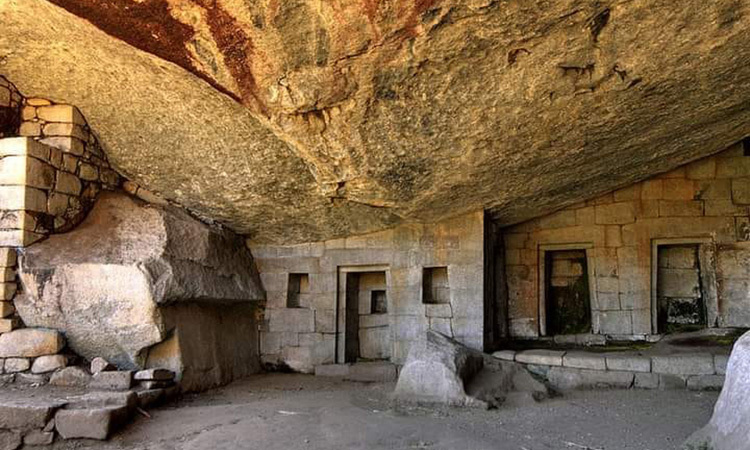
300 121
111 284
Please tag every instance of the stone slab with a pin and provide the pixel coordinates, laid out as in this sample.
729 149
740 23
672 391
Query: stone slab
332 370
27 414
629 363
688 364
541 357
114 380
705 382
582 360
505 355
373 372
154 375
96 423
564 378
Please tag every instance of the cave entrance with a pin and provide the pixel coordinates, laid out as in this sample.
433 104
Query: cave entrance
366 332
567 303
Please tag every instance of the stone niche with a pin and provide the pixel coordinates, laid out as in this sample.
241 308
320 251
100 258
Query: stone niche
145 285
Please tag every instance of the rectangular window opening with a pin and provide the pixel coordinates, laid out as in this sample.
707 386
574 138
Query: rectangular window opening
298 291
435 287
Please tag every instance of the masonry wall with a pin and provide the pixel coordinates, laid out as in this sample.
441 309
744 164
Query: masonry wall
305 337
705 202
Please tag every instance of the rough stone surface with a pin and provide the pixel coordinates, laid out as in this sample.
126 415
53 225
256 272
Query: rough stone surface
114 380
100 364
343 118
91 423
435 371
104 292
49 363
27 414
10 440
729 426
30 343
70 377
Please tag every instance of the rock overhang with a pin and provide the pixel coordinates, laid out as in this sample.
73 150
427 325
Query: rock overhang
316 123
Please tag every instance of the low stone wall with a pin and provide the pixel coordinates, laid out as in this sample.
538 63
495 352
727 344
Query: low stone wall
566 370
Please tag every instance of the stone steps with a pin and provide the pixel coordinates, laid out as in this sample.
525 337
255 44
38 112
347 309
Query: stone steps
27 419
565 370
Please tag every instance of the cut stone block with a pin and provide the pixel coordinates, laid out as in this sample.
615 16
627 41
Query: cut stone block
332 370
705 382
96 423
505 355
70 377
154 375
443 310
60 113
380 372
29 414
563 378
690 364
30 343
9 324
116 381
667 381
541 357
628 363
49 363
7 291
7 257
6 309
582 360
646 381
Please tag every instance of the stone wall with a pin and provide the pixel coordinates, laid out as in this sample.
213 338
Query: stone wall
704 203
305 337
10 108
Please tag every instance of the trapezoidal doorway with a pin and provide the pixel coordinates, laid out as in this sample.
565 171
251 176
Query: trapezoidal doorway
366 331
567 305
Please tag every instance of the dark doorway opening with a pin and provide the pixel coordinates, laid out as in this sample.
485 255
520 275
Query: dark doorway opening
680 302
568 304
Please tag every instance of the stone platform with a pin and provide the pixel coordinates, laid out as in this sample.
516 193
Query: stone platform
694 361
33 416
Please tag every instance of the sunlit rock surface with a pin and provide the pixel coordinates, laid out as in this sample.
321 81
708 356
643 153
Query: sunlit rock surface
302 120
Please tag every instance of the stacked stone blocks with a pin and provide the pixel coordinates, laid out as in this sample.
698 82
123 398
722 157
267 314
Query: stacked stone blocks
303 338
707 199
578 369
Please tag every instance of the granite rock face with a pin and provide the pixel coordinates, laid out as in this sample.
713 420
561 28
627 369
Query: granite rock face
437 370
103 284
729 428
300 121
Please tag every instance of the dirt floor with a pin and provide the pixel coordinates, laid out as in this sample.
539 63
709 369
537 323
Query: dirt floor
290 412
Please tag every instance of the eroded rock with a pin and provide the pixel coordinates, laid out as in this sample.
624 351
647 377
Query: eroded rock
317 120
729 427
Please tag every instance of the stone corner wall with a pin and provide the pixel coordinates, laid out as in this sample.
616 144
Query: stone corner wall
705 202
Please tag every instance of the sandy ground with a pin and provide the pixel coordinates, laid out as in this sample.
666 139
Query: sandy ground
289 412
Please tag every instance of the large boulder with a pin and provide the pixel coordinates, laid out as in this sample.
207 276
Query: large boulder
437 370
729 427
104 283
